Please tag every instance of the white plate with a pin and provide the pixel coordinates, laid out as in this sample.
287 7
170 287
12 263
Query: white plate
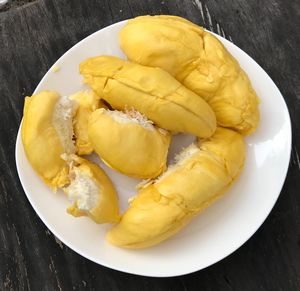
211 236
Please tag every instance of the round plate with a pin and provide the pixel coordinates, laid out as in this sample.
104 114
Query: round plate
212 235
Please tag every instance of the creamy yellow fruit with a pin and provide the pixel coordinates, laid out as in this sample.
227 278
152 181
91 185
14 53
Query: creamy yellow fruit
151 91
197 59
199 177
129 143
47 134
87 103
91 192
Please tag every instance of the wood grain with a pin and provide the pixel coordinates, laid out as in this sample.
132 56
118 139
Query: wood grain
33 36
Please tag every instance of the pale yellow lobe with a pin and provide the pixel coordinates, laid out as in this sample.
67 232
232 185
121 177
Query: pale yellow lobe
199 61
150 219
200 176
92 193
128 144
87 102
41 136
151 91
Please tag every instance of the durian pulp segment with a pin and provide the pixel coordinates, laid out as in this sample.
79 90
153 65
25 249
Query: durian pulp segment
151 91
87 99
91 192
198 178
47 135
87 102
129 142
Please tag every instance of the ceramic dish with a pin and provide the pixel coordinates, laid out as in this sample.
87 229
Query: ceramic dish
211 236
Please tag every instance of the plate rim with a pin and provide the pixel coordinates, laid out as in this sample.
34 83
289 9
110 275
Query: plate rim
152 273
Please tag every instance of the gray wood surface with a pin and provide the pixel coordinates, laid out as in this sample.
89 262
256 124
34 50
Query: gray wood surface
33 36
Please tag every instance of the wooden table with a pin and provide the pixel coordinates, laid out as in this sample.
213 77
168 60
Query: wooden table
34 35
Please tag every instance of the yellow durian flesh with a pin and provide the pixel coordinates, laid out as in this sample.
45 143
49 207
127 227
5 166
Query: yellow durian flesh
165 42
151 91
232 156
87 103
150 219
209 171
42 141
200 176
198 59
130 145
92 193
